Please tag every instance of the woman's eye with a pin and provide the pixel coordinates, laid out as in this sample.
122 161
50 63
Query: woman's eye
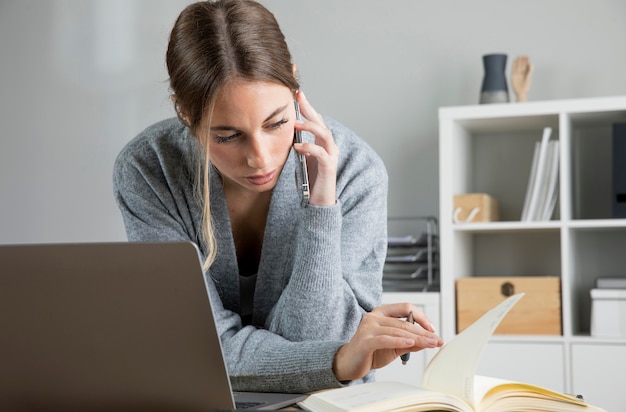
230 138
278 124
226 139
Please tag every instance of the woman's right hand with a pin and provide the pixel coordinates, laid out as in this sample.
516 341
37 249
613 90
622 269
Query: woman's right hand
322 156
382 336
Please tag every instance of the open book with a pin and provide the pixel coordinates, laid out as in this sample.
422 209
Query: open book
450 383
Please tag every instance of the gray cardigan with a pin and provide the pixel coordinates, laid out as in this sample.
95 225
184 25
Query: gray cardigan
320 267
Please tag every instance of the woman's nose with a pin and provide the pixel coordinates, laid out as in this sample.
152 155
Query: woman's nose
257 153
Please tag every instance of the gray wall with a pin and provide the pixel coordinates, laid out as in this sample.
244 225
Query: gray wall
79 78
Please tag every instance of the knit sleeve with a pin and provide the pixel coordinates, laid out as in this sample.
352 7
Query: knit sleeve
151 185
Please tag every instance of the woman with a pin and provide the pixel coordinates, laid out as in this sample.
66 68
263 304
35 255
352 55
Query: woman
294 282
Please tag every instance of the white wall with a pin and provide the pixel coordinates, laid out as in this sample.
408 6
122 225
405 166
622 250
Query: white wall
79 78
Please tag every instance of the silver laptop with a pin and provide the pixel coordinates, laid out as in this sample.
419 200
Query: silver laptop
112 326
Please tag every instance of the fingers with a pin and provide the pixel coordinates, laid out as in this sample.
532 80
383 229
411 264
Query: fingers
522 66
398 332
401 310
307 110
314 124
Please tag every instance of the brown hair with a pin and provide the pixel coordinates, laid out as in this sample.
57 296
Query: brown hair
212 43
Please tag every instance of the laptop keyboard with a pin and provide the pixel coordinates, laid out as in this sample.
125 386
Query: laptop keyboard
247 405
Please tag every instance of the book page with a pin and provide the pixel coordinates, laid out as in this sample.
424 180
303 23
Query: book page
381 396
453 368
499 395
492 387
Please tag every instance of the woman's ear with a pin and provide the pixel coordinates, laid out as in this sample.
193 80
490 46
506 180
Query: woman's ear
294 69
181 115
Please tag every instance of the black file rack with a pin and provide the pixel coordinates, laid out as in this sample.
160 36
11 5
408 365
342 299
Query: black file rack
412 262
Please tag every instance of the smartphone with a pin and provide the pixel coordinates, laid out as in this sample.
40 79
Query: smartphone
304 174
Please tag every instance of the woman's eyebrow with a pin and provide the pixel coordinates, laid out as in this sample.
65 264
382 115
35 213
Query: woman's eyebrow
222 128
274 113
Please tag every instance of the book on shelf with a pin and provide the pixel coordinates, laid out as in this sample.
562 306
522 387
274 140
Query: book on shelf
450 383
551 193
542 189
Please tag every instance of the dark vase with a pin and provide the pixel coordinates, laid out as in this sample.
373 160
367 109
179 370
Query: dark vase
494 88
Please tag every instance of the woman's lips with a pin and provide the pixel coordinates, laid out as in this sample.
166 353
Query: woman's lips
260 180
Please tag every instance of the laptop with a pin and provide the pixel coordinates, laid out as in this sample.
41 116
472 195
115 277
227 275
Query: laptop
112 326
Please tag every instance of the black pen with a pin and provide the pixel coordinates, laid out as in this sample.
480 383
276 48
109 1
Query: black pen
405 357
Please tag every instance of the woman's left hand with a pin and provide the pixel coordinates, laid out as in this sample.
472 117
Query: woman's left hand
381 337
322 156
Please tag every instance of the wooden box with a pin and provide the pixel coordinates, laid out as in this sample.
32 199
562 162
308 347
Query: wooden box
537 313
475 207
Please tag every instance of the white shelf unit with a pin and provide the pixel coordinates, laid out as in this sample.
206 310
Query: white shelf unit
489 149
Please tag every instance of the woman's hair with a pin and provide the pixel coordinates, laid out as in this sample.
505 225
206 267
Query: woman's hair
211 44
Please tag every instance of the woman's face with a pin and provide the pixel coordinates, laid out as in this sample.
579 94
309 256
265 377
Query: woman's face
251 134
